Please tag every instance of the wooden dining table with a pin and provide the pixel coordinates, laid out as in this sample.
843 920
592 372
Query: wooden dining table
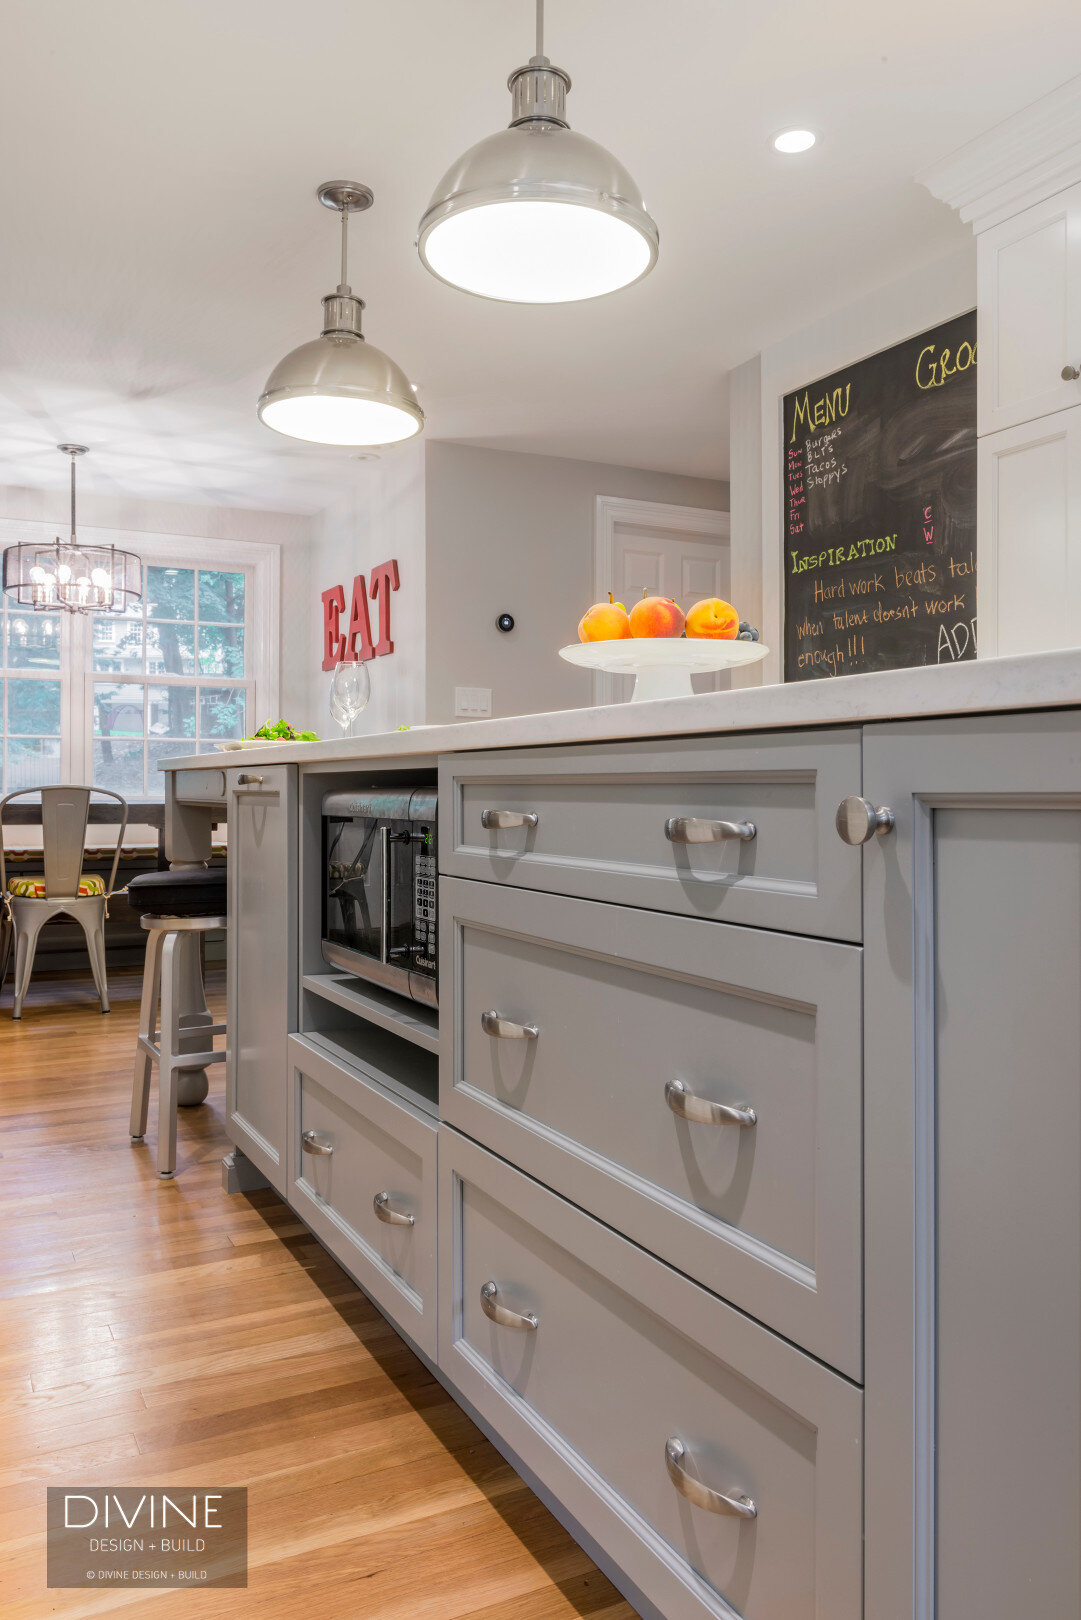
105 812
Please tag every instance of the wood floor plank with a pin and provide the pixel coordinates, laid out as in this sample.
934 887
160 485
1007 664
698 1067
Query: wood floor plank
170 1334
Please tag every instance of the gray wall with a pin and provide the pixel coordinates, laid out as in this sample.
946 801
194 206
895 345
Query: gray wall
513 533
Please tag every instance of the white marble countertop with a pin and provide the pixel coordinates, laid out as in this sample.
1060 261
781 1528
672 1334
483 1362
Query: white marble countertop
989 685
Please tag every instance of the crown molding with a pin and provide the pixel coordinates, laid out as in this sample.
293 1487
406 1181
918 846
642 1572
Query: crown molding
1021 161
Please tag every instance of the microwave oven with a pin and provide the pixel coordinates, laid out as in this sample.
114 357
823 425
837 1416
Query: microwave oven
379 888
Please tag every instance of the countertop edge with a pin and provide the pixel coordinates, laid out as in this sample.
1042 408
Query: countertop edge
980 686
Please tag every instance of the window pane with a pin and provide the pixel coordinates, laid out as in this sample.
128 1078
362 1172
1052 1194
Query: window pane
221 712
221 650
34 708
33 641
221 598
172 712
119 765
170 593
32 762
118 644
118 710
155 750
170 649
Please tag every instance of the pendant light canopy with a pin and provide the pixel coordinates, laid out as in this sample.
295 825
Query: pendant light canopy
338 389
538 214
71 576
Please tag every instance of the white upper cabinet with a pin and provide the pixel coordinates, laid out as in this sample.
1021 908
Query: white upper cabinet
1029 299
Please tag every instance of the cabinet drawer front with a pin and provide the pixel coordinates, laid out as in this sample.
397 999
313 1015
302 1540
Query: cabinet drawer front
200 787
762 1205
602 813
377 1147
626 1356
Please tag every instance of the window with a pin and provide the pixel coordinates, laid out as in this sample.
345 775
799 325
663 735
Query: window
104 697
30 698
192 623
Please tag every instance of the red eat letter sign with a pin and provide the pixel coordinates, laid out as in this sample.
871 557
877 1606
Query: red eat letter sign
358 643
333 607
384 580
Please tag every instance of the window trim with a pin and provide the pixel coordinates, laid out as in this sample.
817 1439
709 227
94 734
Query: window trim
262 562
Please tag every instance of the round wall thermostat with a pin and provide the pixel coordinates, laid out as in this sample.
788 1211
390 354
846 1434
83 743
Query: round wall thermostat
505 622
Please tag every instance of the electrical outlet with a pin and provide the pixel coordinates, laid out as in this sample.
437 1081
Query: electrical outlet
473 702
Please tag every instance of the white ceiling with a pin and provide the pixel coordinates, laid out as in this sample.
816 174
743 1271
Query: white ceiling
162 247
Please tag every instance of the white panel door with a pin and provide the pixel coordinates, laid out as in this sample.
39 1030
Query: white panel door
648 557
1029 522
1029 298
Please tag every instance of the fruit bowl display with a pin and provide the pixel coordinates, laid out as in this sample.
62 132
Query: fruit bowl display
660 645
662 665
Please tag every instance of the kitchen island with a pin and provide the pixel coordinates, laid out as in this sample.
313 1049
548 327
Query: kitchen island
735 1185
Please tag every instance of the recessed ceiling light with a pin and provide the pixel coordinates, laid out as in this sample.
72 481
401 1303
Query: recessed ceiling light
794 140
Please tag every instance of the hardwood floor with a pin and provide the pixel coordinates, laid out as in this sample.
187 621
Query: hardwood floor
159 1333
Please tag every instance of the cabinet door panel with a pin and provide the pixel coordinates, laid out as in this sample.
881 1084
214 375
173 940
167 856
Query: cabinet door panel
262 961
973 1169
1030 312
1029 588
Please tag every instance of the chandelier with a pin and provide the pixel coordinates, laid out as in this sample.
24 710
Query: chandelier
67 575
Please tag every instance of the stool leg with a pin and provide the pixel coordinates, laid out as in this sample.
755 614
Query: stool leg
168 1066
148 1011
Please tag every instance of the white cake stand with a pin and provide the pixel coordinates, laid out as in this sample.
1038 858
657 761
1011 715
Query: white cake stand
662 665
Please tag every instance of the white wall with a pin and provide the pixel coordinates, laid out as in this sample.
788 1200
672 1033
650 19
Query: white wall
381 518
513 533
926 296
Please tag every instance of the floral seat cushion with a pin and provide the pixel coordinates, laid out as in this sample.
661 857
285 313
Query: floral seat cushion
33 888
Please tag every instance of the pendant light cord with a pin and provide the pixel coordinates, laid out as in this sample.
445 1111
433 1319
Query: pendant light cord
344 287
73 500
540 32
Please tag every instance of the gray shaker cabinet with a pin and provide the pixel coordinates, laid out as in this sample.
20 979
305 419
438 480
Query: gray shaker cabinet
261 979
972 1114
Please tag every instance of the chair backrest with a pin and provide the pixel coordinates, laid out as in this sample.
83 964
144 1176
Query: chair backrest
64 813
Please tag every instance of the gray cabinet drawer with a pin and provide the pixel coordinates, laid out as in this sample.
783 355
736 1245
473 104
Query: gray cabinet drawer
601 817
379 1146
766 1213
200 787
627 1355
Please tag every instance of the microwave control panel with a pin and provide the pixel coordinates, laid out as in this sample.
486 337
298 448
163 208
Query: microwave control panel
424 903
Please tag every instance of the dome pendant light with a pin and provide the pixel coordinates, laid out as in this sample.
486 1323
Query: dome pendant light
538 214
338 389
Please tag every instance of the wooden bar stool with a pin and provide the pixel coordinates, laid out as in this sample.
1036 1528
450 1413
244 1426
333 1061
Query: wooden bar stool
183 1046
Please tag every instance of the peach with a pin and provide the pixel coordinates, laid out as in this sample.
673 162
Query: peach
656 616
605 621
713 620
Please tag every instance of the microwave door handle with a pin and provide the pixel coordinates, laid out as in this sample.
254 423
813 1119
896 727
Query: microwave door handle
384 939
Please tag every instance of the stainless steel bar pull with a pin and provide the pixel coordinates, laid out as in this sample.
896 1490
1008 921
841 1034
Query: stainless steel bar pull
390 1217
703 1112
494 820
732 1503
499 1313
858 820
695 830
313 1143
505 1029
245 780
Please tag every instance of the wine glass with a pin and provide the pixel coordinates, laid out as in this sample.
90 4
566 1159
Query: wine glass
350 692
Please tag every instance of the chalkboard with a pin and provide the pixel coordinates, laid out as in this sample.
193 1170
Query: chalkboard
879 493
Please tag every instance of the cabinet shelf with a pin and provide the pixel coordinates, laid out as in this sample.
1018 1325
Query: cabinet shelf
409 1019
406 1071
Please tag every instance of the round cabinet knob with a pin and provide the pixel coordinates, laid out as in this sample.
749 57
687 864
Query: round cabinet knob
859 820
1070 373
